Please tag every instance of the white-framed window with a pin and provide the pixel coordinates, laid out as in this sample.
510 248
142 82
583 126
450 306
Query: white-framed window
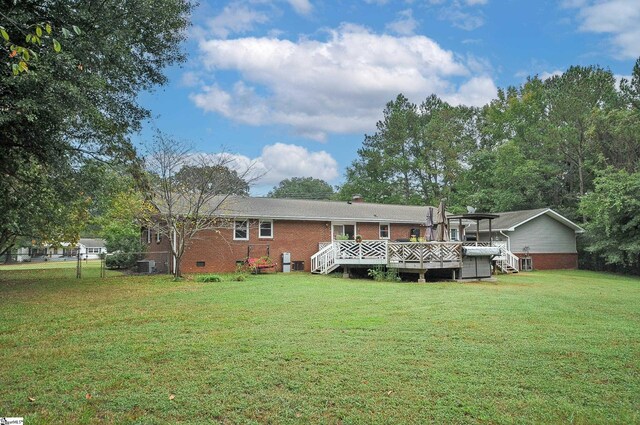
94 250
148 235
158 234
454 234
265 229
241 230
385 231
341 231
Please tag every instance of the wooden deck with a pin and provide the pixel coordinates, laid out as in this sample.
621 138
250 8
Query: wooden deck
402 255
417 256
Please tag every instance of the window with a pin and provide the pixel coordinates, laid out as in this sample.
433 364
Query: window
344 231
454 234
158 234
526 264
241 230
148 235
384 231
93 250
200 263
266 229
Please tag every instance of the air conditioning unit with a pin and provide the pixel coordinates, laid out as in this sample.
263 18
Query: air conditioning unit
146 266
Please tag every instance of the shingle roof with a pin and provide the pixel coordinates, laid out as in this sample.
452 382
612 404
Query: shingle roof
304 209
512 219
92 243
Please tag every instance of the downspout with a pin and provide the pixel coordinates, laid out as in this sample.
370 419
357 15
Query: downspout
508 240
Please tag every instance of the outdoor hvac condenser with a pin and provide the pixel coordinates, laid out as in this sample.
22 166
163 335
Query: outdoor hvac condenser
286 262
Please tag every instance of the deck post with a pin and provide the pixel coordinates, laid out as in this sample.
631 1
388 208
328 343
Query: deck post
421 278
345 272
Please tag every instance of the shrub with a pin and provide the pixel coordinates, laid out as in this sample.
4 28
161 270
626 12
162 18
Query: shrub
239 277
379 274
209 278
122 260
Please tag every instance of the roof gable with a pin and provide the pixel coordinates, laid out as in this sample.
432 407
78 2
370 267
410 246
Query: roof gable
510 220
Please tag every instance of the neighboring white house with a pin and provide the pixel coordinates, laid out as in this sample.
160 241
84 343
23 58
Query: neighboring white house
91 248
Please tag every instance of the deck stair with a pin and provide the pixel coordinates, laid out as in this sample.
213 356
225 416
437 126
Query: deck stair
324 261
507 262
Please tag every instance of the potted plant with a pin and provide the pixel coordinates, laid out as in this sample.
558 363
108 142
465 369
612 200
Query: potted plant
358 238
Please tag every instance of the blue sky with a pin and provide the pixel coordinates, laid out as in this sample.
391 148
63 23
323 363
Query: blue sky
292 86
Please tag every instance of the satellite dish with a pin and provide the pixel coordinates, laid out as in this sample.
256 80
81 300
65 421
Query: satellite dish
470 209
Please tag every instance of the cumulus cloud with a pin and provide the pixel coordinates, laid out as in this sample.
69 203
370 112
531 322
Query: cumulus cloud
236 18
619 18
281 161
404 24
337 85
474 92
303 7
546 74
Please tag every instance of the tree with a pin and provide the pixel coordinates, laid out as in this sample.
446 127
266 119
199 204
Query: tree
187 205
416 155
47 207
225 179
573 96
80 102
302 188
613 212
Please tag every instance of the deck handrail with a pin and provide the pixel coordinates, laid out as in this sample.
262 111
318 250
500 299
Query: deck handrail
323 260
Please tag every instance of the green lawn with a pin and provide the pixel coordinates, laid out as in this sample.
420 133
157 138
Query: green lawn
544 347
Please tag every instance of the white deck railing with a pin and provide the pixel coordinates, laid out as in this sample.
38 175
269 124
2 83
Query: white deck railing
324 261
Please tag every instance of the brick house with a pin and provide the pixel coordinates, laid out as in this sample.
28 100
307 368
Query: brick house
255 227
320 235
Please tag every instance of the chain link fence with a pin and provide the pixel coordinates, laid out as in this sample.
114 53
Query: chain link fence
82 266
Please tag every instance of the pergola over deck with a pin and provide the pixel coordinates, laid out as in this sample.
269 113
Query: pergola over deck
477 217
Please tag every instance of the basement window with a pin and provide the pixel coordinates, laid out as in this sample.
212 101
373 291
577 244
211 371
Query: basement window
526 264
199 263
241 230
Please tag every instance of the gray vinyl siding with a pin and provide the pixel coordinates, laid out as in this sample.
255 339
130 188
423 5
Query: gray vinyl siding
543 235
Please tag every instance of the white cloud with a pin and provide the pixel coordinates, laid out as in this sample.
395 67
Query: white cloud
281 161
461 19
190 79
619 18
405 24
303 7
236 18
474 92
546 74
339 85
463 14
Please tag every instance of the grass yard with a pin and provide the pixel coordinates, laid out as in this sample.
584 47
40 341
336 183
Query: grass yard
544 347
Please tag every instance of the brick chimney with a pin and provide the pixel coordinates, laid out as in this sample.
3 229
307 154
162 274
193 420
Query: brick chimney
357 199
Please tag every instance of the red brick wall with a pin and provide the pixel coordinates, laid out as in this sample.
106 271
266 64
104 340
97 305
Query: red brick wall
220 252
552 261
160 252
371 231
